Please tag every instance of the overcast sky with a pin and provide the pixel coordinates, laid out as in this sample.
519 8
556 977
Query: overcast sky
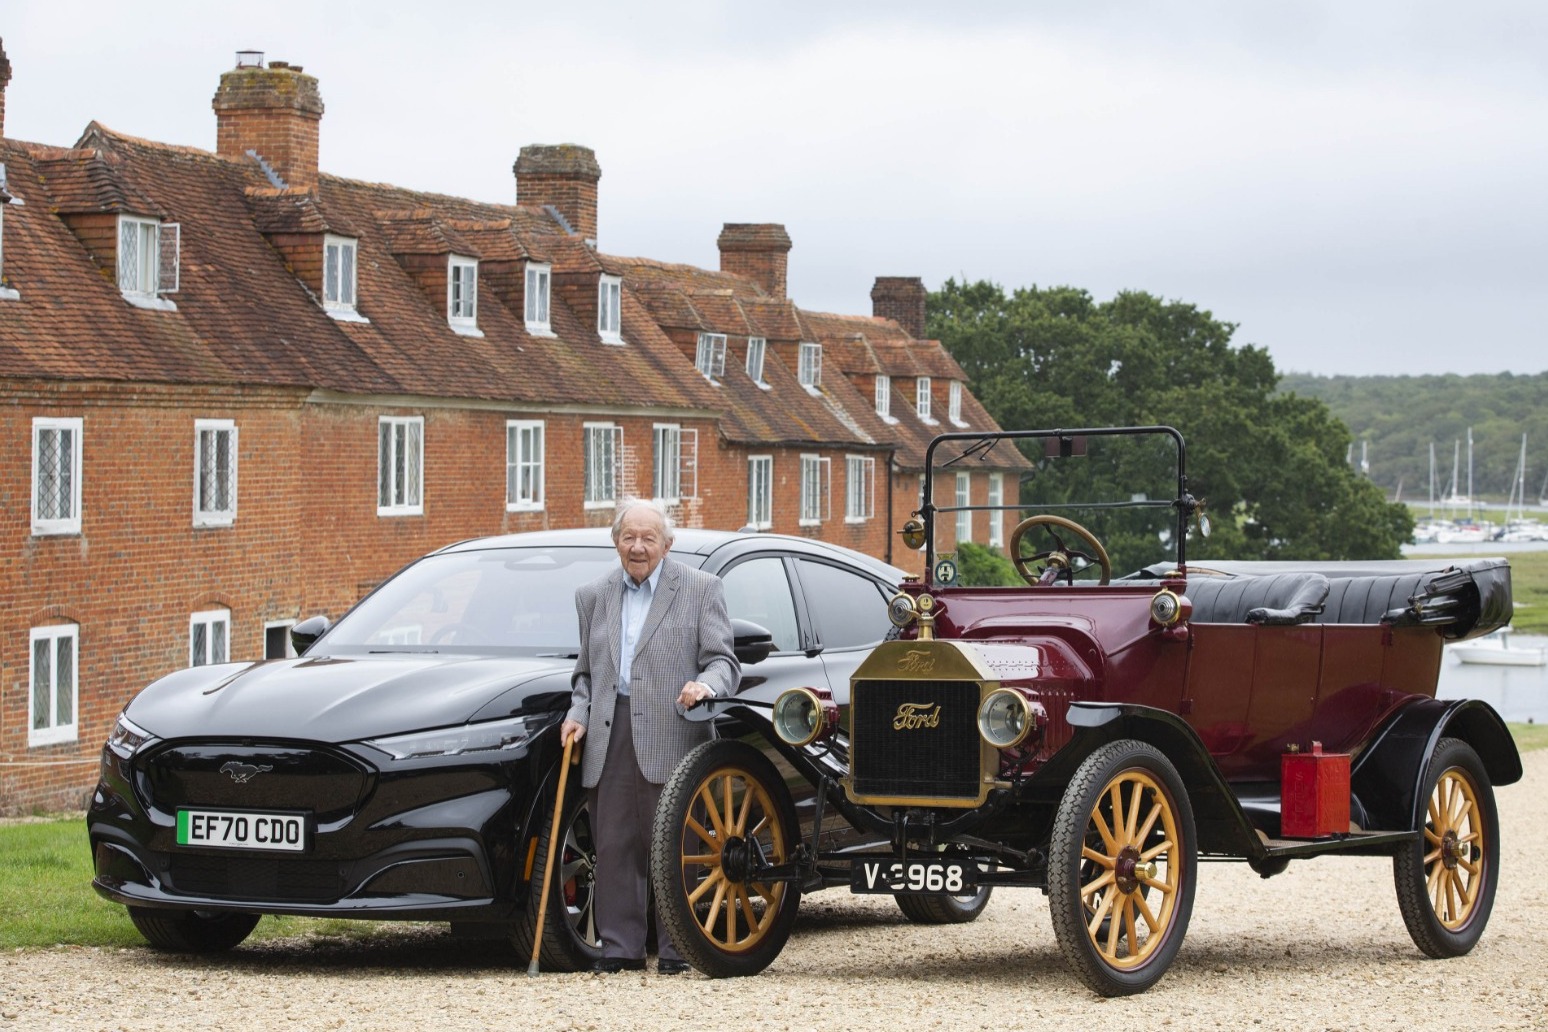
1360 185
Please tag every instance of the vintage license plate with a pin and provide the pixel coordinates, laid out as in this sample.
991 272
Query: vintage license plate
937 876
285 832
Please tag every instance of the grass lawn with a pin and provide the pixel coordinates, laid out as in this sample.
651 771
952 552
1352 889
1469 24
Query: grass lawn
46 896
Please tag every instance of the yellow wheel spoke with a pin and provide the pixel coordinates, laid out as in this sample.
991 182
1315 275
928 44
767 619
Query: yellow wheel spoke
740 827
1100 911
1156 883
715 877
1150 822
1115 796
1087 853
700 858
1097 884
707 795
714 909
1115 926
1151 922
1109 842
715 845
1129 906
1156 850
1131 821
726 791
757 829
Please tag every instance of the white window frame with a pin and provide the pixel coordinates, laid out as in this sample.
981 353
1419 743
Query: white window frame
760 492
965 516
54 478
710 356
210 620
610 309
859 488
400 453
883 395
666 481
757 351
815 479
207 434
53 731
601 442
537 298
462 294
922 398
809 366
524 459
996 516
954 403
341 263
290 645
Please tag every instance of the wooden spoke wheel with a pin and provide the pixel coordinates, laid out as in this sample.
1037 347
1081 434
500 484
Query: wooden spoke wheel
1049 565
725 817
1446 880
1121 867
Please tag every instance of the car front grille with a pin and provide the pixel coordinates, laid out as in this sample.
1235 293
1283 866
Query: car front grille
915 740
254 776
285 879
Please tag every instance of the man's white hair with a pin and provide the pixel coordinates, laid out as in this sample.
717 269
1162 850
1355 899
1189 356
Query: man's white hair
627 505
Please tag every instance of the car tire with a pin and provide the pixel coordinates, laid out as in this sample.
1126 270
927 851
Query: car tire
942 909
569 932
703 860
192 931
1140 915
1446 878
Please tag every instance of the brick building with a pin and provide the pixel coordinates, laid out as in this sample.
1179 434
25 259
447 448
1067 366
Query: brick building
236 391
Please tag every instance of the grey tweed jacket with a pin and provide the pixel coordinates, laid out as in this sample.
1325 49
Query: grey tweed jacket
686 637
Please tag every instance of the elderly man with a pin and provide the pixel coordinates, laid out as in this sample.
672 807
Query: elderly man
655 639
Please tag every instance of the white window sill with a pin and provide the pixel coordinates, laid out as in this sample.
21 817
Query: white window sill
400 510
812 389
762 386
53 736
466 330
606 503
56 529
540 330
959 424
345 315
153 304
612 338
759 527
809 523
890 420
927 421
7 294
524 507
214 519
856 520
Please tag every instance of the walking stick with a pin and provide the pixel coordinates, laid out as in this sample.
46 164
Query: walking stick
548 862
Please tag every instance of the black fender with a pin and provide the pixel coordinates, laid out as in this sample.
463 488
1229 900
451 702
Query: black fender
1219 821
1387 778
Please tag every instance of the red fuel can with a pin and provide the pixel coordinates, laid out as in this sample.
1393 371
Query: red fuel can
1314 793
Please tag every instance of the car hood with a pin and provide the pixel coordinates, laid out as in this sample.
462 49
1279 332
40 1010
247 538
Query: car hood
342 699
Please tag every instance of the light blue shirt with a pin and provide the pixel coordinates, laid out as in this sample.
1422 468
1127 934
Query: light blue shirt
636 604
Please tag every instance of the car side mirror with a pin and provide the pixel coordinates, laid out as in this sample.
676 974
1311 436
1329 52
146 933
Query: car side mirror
751 642
303 634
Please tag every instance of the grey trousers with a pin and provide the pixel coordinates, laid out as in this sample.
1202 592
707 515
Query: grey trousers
623 807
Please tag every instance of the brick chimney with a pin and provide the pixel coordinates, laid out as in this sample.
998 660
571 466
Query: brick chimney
901 299
273 112
5 77
757 250
562 176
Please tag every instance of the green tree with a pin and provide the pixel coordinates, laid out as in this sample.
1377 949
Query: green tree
1270 467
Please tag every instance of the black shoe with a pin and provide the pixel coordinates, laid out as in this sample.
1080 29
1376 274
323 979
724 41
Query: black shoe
671 967
613 965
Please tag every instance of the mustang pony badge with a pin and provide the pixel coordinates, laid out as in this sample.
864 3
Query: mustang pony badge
242 773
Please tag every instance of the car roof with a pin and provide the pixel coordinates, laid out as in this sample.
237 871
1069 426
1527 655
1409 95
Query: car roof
691 540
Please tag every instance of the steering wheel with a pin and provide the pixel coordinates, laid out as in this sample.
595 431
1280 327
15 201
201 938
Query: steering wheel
1057 560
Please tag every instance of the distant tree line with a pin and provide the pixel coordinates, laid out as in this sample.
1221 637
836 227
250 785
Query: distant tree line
1399 417
1270 464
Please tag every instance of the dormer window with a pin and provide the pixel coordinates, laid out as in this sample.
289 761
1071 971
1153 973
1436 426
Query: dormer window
462 294
922 398
6 293
883 395
954 404
756 346
538 277
147 261
809 370
339 274
711 357
610 309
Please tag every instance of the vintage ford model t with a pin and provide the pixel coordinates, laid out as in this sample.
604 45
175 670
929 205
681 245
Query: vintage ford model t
1096 737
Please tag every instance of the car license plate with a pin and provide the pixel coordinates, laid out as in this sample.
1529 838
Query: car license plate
934 876
224 829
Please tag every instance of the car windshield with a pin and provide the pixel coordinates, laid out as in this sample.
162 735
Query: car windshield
519 599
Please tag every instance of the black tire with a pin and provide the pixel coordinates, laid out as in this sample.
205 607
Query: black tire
1129 954
192 931
941 909
1446 880
700 842
570 941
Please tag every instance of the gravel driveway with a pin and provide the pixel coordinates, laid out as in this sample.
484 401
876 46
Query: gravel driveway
1319 947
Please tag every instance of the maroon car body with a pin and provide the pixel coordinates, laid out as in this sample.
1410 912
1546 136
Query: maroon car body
1097 739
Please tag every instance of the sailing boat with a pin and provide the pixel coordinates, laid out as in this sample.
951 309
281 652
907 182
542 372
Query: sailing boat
1466 531
1518 527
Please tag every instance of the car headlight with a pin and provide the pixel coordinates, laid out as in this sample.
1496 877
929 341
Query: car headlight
489 736
1007 717
803 715
127 737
